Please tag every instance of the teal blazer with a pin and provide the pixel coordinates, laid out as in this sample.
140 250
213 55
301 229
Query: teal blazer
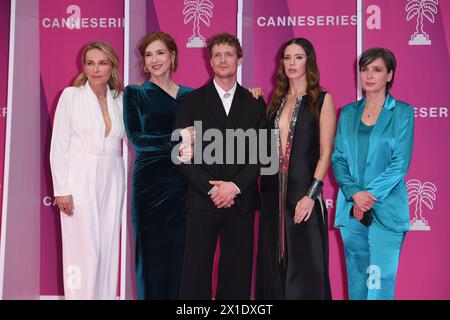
388 159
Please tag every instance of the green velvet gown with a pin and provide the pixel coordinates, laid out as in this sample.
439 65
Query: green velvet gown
158 190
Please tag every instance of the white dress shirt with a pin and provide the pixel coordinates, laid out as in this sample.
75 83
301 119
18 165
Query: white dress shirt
227 99
225 96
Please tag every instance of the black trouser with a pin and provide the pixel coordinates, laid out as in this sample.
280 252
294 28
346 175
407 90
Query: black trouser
236 254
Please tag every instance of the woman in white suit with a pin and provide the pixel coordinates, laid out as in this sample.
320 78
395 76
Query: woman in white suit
88 175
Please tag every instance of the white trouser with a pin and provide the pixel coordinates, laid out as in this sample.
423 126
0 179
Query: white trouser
90 237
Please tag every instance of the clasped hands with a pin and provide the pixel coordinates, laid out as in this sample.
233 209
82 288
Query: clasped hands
364 201
223 193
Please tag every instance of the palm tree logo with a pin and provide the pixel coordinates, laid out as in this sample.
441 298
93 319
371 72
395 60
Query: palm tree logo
420 193
197 11
419 9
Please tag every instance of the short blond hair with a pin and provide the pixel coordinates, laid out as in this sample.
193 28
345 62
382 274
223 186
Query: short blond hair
225 38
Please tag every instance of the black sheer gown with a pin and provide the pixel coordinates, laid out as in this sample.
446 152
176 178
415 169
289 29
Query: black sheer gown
293 258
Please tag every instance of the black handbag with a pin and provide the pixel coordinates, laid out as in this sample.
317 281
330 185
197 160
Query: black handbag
367 217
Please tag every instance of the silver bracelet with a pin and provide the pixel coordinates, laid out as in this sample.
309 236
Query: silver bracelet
315 189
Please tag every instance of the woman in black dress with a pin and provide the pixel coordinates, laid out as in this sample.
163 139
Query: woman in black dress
293 232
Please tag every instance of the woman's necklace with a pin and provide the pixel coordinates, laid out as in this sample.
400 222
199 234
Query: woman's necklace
371 114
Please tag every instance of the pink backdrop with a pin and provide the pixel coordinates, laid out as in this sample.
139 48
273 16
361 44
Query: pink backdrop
193 67
423 78
60 64
4 52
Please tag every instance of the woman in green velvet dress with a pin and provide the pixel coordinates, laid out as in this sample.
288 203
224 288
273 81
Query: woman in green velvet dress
158 191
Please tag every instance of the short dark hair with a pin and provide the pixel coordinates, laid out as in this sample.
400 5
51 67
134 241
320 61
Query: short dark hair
225 38
166 39
386 55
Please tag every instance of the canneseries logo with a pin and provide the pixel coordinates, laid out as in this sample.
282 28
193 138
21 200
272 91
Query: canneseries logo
48 201
306 21
420 11
75 21
197 12
421 195
329 203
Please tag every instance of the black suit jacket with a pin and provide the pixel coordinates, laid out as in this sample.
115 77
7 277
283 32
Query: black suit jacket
205 105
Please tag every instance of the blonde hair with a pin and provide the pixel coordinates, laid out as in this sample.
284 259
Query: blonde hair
115 81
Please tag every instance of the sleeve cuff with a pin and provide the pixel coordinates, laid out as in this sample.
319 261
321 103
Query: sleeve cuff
350 191
237 188
61 193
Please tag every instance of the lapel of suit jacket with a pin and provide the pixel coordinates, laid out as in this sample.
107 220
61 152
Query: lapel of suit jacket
354 122
214 105
382 122
236 109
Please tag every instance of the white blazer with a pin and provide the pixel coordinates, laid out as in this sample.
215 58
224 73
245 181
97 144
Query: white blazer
79 127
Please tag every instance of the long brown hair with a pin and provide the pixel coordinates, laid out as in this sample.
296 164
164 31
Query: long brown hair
313 87
115 81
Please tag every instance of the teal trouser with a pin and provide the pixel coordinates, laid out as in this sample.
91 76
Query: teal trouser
371 256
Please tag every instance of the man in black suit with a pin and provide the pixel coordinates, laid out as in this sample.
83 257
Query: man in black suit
222 195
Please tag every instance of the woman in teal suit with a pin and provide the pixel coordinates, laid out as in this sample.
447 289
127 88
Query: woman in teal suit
372 153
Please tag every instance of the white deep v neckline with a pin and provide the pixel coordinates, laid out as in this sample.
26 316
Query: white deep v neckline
108 114
99 111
